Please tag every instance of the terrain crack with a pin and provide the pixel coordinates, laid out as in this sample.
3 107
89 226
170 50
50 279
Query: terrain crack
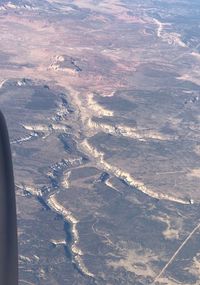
127 177
69 217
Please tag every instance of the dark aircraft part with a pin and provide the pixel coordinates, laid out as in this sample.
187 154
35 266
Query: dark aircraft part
8 225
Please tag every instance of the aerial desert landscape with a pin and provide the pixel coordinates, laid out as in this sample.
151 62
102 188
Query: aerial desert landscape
102 104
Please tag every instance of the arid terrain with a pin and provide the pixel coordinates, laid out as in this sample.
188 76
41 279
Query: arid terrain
102 104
